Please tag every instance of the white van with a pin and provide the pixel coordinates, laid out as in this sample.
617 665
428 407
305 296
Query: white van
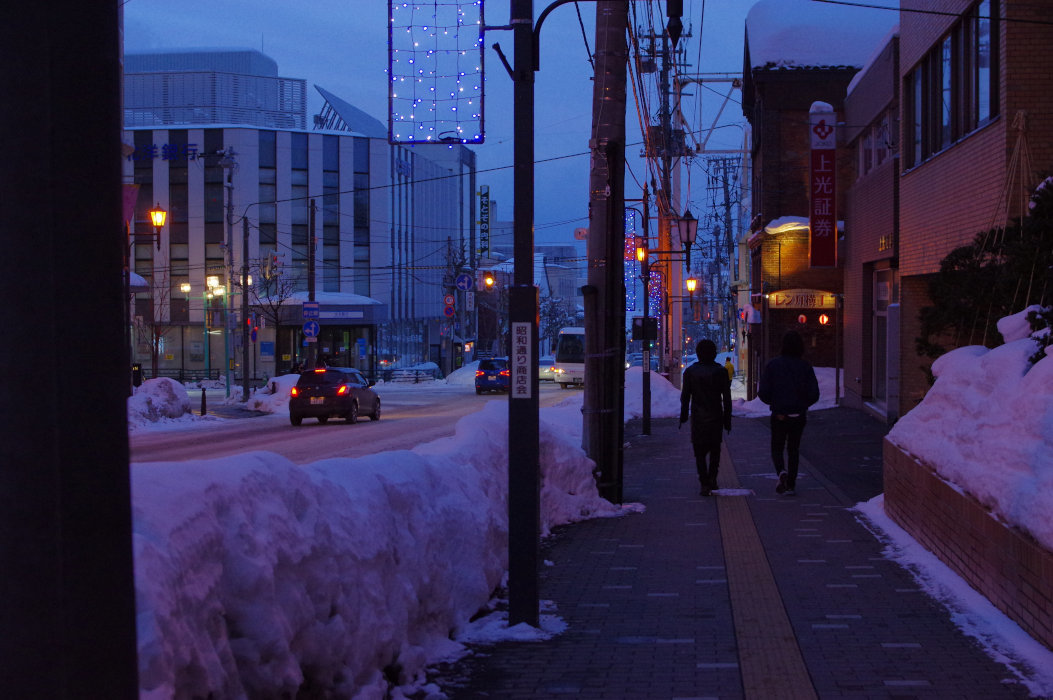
570 357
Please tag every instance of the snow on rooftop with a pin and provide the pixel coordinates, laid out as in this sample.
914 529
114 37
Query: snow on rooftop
789 34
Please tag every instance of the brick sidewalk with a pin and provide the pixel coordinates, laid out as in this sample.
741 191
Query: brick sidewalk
736 596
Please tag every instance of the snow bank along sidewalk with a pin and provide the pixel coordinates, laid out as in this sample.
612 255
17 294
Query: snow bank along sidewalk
256 577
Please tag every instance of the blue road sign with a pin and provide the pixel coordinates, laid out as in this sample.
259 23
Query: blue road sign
310 309
464 282
310 329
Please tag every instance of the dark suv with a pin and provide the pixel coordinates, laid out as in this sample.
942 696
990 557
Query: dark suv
492 375
333 391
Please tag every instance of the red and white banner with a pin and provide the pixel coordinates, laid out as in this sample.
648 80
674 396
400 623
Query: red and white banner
822 217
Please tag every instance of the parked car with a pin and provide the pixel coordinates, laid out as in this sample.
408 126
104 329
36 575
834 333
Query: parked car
546 369
340 392
493 375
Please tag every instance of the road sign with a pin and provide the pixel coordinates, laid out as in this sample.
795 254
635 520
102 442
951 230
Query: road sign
449 312
252 335
310 309
448 300
464 282
310 329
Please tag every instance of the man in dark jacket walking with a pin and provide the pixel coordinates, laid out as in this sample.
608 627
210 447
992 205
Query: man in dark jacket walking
789 386
707 393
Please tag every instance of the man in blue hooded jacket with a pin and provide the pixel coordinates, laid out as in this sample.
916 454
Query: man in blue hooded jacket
789 386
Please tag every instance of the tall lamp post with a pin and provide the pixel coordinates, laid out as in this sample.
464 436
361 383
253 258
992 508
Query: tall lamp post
213 289
644 258
184 287
157 220
687 229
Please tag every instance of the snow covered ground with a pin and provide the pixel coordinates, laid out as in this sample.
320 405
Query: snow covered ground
357 574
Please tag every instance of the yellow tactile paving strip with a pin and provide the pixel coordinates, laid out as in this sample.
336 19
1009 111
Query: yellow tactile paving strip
770 660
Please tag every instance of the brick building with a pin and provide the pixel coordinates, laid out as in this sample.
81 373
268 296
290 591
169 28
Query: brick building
794 57
871 286
977 97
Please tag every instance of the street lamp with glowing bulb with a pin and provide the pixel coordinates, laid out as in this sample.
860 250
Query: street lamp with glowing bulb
157 218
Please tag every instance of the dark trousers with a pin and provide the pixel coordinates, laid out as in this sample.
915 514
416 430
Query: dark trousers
786 435
707 451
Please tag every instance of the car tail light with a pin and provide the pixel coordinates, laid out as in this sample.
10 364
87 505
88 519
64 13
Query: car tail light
342 390
504 373
320 370
295 392
479 373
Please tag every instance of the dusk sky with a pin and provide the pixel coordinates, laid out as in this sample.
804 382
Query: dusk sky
341 45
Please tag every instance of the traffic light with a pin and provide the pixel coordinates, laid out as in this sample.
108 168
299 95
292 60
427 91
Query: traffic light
487 281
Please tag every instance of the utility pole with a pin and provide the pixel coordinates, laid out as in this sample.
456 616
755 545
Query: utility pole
603 403
312 346
228 303
524 478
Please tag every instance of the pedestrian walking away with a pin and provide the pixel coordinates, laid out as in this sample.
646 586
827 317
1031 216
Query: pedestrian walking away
788 385
706 397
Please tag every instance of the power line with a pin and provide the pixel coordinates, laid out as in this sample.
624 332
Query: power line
939 13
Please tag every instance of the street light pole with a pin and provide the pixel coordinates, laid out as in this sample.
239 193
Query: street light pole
185 289
206 299
645 275
245 309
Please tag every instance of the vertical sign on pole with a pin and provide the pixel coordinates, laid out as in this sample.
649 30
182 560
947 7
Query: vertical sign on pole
822 218
522 360
484 220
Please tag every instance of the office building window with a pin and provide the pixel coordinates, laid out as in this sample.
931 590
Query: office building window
954 89
361 215
331 213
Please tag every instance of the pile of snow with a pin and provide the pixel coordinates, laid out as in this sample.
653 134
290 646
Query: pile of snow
255 576
987 426
273 398
465 376
156 400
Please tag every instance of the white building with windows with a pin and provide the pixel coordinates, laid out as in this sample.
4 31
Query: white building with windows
216 139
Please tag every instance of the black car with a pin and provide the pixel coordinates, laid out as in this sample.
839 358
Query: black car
493 375
340 392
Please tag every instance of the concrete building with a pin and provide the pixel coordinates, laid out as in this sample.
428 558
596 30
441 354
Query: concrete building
372 225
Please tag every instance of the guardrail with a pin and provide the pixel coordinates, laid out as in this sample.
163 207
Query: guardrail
184 376
409 375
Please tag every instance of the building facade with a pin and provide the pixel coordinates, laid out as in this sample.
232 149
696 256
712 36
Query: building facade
947 129
871 300
976 133
777 103
336 214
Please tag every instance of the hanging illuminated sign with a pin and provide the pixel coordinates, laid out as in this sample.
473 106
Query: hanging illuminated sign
822 218
484 220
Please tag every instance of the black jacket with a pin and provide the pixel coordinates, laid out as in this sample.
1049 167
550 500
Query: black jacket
788 385
707 392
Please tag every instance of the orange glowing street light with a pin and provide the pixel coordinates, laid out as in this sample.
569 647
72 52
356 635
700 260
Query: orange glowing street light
157 218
